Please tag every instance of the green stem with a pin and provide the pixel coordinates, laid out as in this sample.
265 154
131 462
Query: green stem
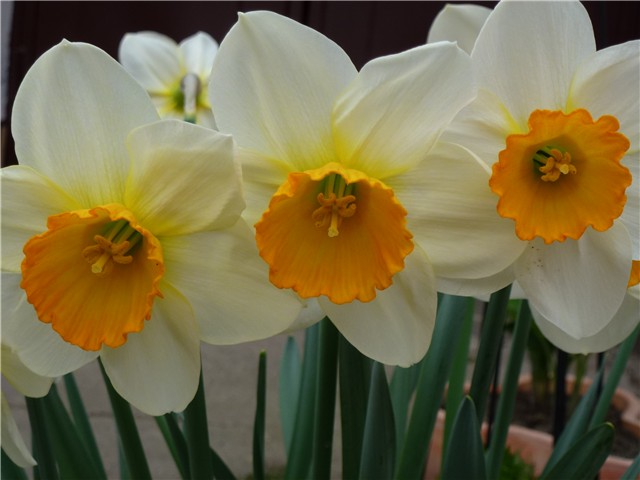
197 435
41 441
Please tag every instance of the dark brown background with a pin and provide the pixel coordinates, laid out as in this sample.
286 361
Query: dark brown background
363 29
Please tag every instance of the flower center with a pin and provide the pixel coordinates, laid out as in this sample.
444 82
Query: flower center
336 203
577 179
93 275
316 244
553 162
112 247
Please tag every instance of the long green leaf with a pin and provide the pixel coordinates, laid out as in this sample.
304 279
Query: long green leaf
585 457
401 388
11 471
379 445
41 441
74 460
197 435
465 456
81 421
355 376
430 388
633 471
259 420
325 400
509 389
128 433
490 339
289 389
298 464
220 469
176 443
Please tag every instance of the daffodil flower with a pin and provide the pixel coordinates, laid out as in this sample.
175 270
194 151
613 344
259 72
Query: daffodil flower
29 384
557 122
175 75
121 235
355 202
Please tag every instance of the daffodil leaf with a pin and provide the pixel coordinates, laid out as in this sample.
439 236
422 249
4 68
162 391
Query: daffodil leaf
465 438
403 384
197 435
585 457
633 471
10 470
355 374
289 389
175 442
41 441
258 423
379 445
507 399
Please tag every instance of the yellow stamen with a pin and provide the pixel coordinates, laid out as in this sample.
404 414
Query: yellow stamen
554 163
336 203
112 247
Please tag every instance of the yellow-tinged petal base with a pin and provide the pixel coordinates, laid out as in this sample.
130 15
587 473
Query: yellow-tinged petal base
336 232
562 176
93 275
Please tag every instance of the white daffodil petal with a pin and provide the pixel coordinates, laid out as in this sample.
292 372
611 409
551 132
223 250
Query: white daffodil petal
227 284
157 370
602 84
20 377
12 443
278 99
152 59
28 199
71 116
578 285
41 349
458 23
206 118
396 327
390 116
619 328
634 292
198 52
478 287
448 197
310 314
527 52
184 178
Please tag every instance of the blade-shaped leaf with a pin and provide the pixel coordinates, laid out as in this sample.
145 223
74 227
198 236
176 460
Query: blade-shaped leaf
175 441
259 420
289 389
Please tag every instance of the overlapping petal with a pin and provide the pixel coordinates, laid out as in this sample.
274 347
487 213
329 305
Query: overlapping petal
20 377
278 100
157 370
519 39
392 113
447 198
613 333
222 268
41 349
28 199
12 443
71 135
396 328
152 59
183 178
459 23
198 52
578 285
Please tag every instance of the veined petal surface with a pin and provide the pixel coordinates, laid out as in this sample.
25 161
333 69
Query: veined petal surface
183 178
41 349
526 53
152 59
20 377
619 328
12 443
452 215
458 23
157 370
198 52
396 327
391 114
602 85
278 99
28 199
578 285
71 116
222 269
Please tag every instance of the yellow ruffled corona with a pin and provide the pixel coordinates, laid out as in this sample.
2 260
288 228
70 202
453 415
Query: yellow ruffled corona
563 176
93 275
336 232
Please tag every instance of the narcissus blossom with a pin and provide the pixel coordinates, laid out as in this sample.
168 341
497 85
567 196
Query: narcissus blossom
175 75
120 235
557 122
355 202
29 384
